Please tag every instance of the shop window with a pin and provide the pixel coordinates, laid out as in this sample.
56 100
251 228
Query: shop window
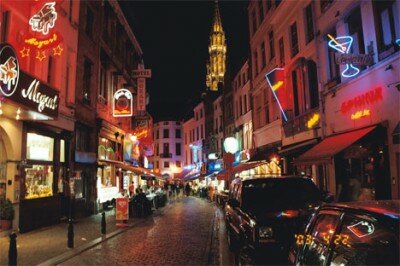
281 52
39 181
166 164
309 23
106 149
263 56
245 103
271 45
294 40
78 184
39 147
107 176
385 27
157 134
62 151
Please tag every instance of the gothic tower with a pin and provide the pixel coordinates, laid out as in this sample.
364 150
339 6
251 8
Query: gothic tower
217 50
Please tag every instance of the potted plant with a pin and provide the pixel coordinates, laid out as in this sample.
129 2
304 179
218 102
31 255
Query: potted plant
6 213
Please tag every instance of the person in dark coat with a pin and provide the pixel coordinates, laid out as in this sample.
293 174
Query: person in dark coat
187 189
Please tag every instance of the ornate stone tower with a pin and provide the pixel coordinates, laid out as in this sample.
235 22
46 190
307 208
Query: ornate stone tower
217 50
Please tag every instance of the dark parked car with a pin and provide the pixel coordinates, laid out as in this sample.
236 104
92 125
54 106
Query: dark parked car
356 233
264 213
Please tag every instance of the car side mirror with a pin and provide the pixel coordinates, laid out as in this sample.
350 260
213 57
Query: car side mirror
234 203
328 197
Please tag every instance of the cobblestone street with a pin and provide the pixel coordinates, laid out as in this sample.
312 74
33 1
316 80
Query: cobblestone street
187 232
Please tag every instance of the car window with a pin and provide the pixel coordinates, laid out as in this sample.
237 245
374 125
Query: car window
364 240
316 242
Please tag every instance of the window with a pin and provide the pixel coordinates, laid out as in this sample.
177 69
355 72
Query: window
201 132
309 23
281 52
166 164
197 133
269 5
177 133
166 133
295 86
89 22
362 241
240 105
334 69
266 107
87 75
186 139
385 25
166 149
277 2
39 181
103 82
261 10
82 139
245 103
294 39
312 84
317 252
325 4
39 147
178 149
271 45
178 164
50 71
263 55
157 134
255 66
354 23
157 150
254 21
4 26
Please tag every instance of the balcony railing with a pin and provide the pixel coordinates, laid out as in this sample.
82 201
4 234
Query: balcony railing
302 123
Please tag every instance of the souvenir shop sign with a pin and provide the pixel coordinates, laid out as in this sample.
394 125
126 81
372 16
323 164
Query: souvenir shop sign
122 205
122 103
24 89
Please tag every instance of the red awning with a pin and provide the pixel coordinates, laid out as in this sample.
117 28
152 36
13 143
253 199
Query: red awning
326 149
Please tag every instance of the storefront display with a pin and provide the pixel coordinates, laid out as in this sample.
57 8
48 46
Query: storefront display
39 147
39 181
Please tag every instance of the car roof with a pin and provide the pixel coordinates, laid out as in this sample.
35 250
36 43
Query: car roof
389 208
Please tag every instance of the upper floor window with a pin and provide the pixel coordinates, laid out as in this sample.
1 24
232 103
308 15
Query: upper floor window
178 149
87 75
281 52
334 70
271 45
269 5
103 82
245 103
89 22
354 23
261 10
325 4
255 65
263 56
254 21
166 133
385 12
201 113
294 40
309 23
157 134
177 133
277 2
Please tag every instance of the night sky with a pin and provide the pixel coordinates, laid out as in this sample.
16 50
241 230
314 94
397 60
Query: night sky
174 37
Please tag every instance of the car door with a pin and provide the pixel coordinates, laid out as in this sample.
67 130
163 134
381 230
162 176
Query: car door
316 241
363 239
231 214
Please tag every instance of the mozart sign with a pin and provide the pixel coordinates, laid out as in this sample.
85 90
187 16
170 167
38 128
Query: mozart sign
24 89
122 103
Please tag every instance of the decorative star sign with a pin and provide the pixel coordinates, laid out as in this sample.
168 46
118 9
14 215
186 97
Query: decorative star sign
57 50
40 55
25 52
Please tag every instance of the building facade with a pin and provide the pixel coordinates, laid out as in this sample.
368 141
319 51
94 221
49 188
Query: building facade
168 159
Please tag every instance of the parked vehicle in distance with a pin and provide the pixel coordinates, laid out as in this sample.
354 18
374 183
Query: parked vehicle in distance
356 233
263 214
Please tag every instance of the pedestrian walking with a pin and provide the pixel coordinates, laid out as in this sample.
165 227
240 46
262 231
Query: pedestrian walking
187 189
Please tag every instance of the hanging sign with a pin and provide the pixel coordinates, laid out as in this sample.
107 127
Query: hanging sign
358 59
122 205
122 103
141 73
275 79
24 89
141 94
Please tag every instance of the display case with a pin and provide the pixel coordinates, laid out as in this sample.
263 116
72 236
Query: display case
39 181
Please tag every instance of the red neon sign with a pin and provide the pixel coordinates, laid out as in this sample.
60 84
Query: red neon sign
360 101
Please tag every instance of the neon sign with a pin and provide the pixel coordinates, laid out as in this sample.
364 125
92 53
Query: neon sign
360 114
44 43
9 71
362 100
45 19
362 228
343 44
275 81
122 103
313 121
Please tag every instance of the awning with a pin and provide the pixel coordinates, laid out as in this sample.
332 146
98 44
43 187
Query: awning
139 170
191 177
297 146
182 174
326 149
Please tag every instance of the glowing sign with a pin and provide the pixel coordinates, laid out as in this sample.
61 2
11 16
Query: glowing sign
360 114
343 44
122 103
44 19
362 228
141 94
9 71
275 80
54 40
313 121
231 145
362 100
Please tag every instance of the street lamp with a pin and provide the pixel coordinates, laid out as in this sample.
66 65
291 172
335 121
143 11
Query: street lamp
231 146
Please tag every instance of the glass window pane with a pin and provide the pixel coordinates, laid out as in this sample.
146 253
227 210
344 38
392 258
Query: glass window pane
39 147
62 151
39 181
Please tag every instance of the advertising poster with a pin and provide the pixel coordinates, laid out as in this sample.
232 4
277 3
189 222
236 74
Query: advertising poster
122 208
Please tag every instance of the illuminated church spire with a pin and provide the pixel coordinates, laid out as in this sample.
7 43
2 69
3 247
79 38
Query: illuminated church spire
217 50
